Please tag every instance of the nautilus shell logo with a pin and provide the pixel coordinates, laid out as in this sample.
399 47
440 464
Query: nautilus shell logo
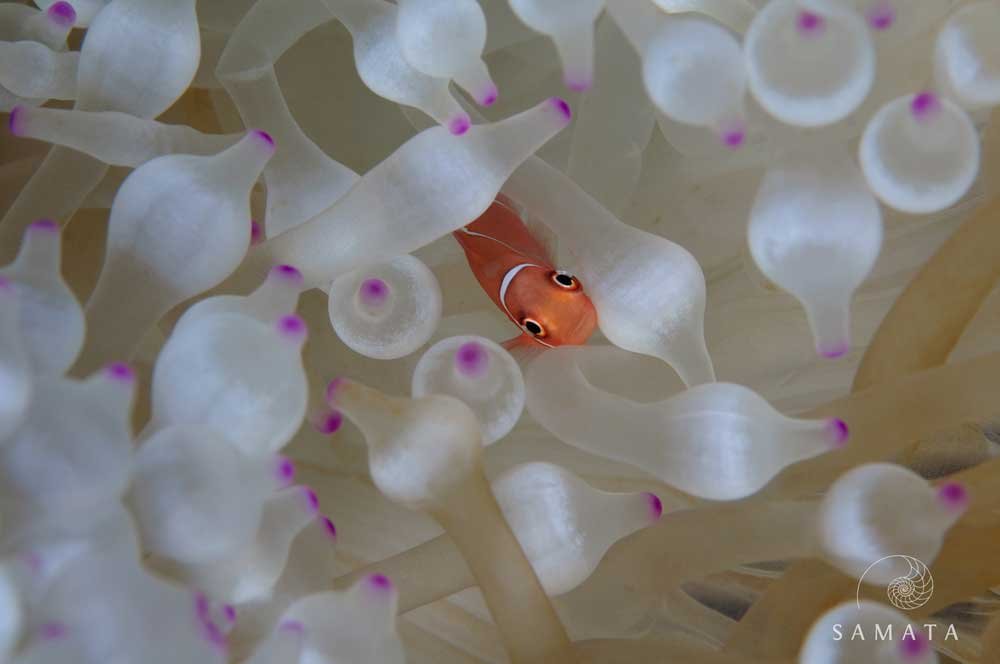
908 591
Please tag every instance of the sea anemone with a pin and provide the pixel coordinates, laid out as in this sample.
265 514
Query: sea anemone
258 407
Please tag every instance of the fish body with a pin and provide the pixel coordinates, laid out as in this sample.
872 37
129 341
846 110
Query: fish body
548 305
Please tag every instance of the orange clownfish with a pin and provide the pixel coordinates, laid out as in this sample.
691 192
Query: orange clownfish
548 305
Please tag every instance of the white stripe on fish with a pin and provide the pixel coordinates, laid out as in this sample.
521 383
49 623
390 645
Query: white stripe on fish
505 284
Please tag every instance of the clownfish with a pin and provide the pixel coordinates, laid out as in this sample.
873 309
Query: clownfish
548 305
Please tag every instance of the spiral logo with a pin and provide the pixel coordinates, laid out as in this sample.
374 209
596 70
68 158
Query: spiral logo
910 591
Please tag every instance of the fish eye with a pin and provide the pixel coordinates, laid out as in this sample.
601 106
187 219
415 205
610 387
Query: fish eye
565 280
533 327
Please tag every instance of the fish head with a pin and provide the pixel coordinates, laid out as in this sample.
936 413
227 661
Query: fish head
551 306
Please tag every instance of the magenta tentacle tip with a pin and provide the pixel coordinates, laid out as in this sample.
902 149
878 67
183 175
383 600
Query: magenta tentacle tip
293 327
655 506
256 232
924 105
490 96
292 627
882 16
229 611
331 529
838 431
835 351
51 630
121 372
954 496
214 635
578 84
312 500
459 125
202 610
5 286
472 360
210 629
201 606
809 23
332 387
333 422
562 107
913 645
14 122
285 471
380 582
62 13
287 272
44 225
374 291
264 138
328 422
734 139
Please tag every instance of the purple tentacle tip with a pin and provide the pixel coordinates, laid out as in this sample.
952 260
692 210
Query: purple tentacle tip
459 125
834 351
52 630
328 422
15 122
229 611
734 139
924 105
292 326
838 431
5 286
913 645
45 225
201 606
472 360
263 137
256 232
882 16
215 636
120 371
292 627
578 84
954 495
287 272
809 23
331 529
62 13
373 292
210 631
332 387
312 500
490 96
560 105
285 471
655 506
380 582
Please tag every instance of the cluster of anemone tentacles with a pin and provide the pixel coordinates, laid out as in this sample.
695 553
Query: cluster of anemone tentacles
226 229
